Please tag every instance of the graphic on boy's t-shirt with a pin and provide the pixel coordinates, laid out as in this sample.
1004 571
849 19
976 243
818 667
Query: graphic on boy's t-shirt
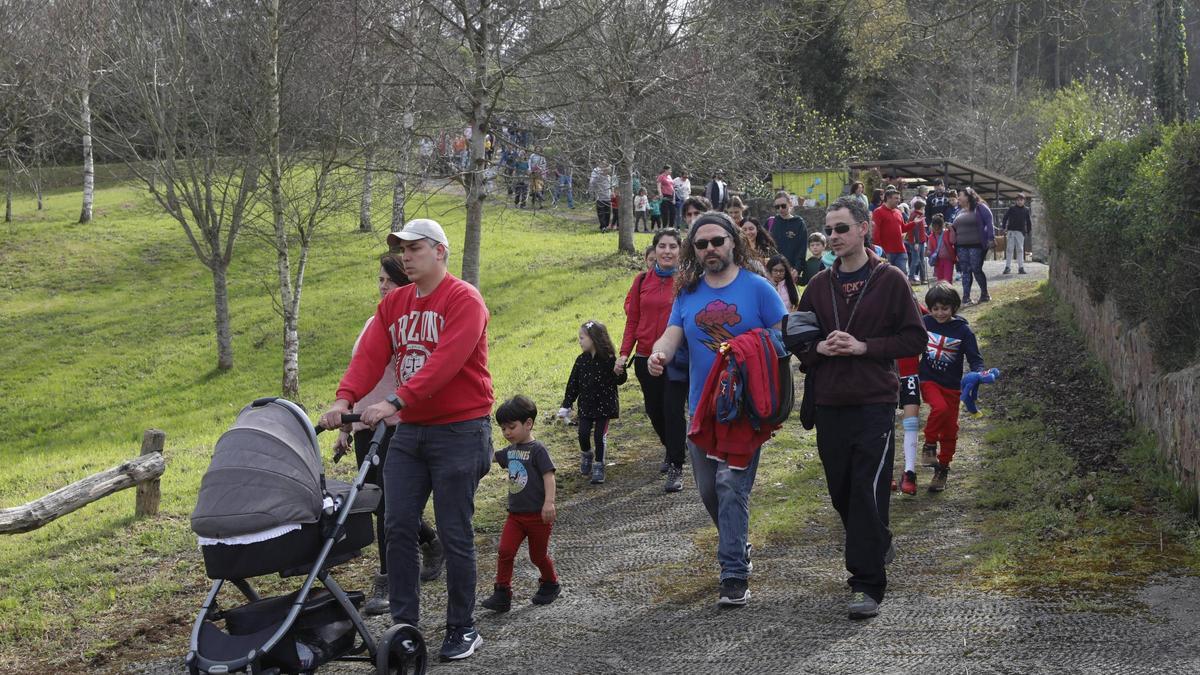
518 476
713 319
941 351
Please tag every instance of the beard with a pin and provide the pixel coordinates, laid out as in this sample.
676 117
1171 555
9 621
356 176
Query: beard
717 264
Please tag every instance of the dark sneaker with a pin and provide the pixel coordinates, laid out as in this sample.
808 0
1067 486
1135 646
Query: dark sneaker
986 298
908 483
734 593
666 466
1022 271
585 463
597 472
500 600
432 560
940 474
378 602
1007 271
547 593
929 454
674 479
460 642
862 606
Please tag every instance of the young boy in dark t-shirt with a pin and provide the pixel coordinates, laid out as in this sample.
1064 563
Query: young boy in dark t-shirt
531 510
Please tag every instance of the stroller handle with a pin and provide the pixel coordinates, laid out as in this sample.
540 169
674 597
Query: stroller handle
347 418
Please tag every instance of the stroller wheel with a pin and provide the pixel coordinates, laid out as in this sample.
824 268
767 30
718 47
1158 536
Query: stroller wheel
401 650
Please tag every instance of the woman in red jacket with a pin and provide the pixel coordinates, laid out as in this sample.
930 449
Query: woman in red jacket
647 309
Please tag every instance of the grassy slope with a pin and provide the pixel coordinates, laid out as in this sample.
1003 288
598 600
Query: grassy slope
107 330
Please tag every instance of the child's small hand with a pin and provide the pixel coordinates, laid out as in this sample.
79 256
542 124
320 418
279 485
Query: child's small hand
549 513
564 414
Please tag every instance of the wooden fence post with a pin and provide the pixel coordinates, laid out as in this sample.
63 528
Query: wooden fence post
148 494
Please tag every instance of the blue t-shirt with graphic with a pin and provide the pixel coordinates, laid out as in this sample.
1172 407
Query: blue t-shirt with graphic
527 463
710 316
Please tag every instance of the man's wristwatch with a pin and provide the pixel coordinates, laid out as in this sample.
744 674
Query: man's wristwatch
395 401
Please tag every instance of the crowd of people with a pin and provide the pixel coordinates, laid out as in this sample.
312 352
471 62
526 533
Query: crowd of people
867 347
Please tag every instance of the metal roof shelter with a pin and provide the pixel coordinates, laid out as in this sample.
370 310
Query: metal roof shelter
989 184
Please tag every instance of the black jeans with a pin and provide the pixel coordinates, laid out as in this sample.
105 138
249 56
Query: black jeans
668 211
597 428
654 393
362 443
604 214
857 445
675 420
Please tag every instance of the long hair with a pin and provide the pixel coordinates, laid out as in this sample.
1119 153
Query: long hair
690 267
394 269
788 280
764 243
972 198
598 333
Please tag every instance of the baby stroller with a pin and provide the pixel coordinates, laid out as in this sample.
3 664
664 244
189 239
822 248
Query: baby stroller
265 507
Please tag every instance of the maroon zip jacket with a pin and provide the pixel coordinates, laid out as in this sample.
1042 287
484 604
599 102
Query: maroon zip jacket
886 319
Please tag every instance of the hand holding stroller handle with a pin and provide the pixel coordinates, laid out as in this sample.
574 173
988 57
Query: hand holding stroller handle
347 418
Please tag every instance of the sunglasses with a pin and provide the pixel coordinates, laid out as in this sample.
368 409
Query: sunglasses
840 228
781 206
715 242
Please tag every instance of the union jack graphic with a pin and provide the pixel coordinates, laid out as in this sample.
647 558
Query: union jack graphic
942 349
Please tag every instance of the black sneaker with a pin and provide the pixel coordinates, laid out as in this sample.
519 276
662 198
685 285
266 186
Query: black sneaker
500 599
547 593
460 642
432 560
378 602
585 463
734 592
666 466
597 472
674 479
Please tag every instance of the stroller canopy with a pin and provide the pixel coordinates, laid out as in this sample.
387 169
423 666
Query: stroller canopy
265 473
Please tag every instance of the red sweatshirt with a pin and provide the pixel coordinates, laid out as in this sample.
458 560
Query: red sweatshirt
440 343
889 230
647 310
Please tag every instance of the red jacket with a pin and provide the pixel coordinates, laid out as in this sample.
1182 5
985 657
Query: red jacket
889 230
647 310
737 441
914 230
440 344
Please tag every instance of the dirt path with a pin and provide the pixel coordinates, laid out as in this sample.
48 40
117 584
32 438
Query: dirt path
639 596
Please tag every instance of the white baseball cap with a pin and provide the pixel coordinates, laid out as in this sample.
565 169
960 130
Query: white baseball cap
420 228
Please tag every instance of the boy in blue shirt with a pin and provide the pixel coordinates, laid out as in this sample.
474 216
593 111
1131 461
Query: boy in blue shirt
950 343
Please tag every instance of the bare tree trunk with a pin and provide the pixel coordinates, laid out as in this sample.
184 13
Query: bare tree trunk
625 171
473 180
291 334
364 207
221 304
89 169
8 189
399 198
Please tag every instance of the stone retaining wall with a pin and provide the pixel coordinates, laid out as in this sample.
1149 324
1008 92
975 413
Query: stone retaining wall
1167 403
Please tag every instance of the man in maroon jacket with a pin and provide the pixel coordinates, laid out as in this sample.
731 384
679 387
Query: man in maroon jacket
869 318
437 329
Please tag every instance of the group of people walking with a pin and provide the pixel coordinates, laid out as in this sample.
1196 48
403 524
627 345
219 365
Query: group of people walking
420 366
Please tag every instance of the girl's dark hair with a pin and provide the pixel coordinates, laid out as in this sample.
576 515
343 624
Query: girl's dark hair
516 409
855 185
598 333
394 269
972 198
764 243
648 251
943 293
937 219
668 232
876 196
793 293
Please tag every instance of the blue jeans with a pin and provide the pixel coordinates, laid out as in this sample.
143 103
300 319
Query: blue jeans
899 260
679 208
564 182
446 460
916 261
970 263
726 496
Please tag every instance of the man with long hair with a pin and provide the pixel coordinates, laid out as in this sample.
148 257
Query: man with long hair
716 300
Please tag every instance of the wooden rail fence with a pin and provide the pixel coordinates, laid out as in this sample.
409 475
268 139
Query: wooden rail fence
142 471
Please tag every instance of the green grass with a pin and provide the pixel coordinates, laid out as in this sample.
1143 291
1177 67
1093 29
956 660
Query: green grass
107 329
1051 527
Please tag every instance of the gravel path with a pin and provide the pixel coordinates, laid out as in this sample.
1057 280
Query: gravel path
639 596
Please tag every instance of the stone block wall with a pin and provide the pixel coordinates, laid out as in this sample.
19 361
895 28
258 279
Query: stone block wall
1166 403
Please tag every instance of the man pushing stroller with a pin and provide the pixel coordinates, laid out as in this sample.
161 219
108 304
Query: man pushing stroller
436 328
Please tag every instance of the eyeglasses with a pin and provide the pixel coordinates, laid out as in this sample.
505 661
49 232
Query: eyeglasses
715 242
840 228
781 206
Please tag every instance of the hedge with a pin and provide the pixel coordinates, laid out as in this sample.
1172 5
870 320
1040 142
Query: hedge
1126 213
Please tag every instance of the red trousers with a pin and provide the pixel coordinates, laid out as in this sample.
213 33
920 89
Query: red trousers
517 527
942 425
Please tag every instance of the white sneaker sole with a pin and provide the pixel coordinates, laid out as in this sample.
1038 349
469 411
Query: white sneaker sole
734 602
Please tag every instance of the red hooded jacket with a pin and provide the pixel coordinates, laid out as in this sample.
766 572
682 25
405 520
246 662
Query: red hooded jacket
737 441
647 310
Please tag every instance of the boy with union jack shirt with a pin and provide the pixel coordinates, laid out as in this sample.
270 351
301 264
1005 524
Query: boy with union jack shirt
950 342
